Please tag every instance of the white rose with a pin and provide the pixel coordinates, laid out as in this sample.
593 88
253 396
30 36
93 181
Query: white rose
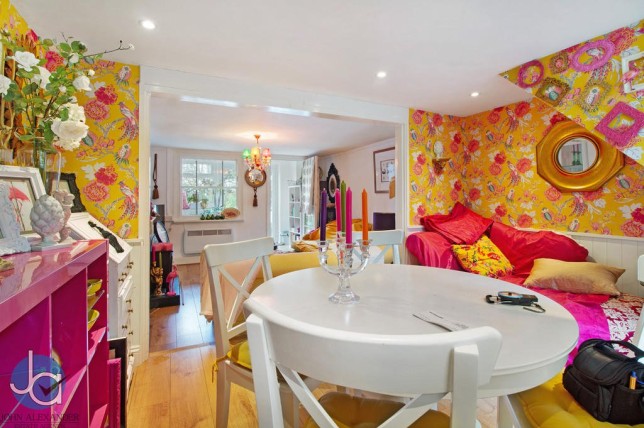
81 83
5 82
75 111
91 72
65 144
73 58
25 60
69 132
43 78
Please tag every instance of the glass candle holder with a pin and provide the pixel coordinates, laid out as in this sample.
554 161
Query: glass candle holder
352 259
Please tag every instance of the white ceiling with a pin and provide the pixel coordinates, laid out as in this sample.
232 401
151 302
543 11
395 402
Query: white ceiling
435 52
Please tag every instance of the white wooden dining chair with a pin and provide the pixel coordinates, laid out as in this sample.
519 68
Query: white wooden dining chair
422 368
551 401
233 363
388 240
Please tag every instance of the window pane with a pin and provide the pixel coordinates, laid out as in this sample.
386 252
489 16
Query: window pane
230 174
208 186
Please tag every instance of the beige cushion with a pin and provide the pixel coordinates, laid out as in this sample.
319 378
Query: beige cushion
574 277
355 412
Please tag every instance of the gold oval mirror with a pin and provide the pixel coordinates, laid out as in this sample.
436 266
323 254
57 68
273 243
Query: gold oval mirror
572 159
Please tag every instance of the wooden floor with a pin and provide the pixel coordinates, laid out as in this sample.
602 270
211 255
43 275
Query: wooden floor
174 387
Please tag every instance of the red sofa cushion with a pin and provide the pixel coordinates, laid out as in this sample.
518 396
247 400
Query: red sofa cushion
460 226
522 247
432 249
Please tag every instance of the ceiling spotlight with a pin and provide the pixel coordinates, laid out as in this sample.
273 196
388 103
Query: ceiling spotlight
474 94
147 24
381 74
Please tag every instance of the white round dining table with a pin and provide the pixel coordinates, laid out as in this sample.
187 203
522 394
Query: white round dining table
535 345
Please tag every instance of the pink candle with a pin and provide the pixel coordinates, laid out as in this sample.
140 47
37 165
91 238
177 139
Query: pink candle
323 215
338 211
348 209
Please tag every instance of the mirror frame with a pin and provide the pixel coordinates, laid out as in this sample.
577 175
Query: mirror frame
332 176
609 160
254 184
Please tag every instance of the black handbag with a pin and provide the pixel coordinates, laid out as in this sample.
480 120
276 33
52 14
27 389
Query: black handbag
600 380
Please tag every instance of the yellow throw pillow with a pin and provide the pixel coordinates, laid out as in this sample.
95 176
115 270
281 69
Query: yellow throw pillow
574 277
483 258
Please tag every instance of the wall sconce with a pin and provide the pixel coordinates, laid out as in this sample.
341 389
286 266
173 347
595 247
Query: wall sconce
439 161
439 165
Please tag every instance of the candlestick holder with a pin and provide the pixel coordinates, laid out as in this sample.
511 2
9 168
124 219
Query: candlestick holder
346 267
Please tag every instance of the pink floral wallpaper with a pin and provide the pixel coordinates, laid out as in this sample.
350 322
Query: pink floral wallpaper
492 169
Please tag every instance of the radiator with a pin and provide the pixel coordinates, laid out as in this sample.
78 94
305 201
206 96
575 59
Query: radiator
195 240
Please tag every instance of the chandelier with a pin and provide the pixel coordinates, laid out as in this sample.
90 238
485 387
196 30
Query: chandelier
257 158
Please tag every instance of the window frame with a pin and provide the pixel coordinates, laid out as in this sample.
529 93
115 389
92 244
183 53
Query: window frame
212 156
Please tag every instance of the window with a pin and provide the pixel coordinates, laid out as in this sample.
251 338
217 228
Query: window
208 186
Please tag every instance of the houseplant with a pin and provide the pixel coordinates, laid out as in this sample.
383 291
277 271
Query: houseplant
38 87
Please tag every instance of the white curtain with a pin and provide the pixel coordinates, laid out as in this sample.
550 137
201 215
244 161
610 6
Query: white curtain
310 187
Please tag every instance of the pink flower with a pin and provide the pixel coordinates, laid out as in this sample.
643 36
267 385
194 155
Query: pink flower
106 176
493 117
417 169
437 119
97 110
474 194
106 94
95 191
457 138
638 215
633 228
417 117
522 109
453 147
500 158
472 146
53 60
421 210
501 210
592 196
421 159
458 185
453 195
553 194
524 165
495 169
524 220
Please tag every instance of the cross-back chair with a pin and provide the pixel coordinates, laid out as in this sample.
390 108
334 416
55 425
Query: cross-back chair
389 240
422 367
549 405
231 347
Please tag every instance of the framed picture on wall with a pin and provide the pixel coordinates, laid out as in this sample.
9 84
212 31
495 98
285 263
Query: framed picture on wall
67 182
384 169
633 72
25 186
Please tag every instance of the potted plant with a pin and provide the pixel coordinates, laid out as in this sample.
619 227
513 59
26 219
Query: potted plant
204 203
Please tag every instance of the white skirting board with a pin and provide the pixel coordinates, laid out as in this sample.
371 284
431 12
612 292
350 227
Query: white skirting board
620 251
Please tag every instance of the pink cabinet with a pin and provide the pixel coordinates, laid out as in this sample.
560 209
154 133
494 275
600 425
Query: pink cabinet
53 365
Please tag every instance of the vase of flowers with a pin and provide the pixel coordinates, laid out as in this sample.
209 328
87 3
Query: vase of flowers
38 107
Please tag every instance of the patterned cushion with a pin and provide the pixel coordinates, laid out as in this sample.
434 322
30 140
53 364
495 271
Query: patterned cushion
550 406
351 412
483 258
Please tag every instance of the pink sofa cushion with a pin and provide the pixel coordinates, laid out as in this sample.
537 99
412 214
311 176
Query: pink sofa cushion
460 226
432 249
523 247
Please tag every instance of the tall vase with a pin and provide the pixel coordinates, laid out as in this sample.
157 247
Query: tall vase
40 161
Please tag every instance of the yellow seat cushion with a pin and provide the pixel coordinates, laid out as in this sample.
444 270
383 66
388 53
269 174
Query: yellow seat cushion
550 406
240 354
355 412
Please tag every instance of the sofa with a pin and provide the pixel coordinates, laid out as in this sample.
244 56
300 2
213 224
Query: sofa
544 261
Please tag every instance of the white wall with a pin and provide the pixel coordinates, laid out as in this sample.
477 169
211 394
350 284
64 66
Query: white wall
355 168
252 224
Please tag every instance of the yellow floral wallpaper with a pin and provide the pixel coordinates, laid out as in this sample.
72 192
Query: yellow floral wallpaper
588 84
492 169
106 164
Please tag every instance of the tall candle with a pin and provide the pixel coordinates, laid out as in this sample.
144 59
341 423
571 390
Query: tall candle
349 223
365 214
343 194
323 215
338 211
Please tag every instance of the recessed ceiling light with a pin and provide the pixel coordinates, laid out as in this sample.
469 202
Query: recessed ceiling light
147 24
474 94
381 74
